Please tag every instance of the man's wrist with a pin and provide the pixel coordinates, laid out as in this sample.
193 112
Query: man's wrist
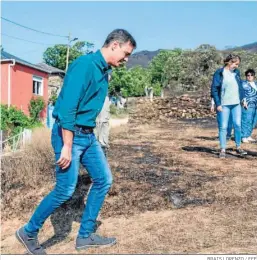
69 146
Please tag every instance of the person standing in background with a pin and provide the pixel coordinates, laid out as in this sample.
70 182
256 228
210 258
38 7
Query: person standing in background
103 124
249 115
50 119
228 94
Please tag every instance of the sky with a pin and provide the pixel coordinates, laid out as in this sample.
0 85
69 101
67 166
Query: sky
154 25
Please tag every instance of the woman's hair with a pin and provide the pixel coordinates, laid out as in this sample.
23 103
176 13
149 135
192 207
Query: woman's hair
250 71
231 57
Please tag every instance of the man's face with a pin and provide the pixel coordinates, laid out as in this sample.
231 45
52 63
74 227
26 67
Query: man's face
120 53
250 77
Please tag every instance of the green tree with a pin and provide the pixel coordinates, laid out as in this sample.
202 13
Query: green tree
119 80
130 82
156 66
140 78
56 56
179 70
172 67
198 66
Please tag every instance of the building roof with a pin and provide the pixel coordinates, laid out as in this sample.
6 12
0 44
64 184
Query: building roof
51 69
5 56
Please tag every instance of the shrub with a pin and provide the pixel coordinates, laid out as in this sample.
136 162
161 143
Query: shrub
36 105
14 120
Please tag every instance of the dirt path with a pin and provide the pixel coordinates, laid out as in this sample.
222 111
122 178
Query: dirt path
116 122
171 195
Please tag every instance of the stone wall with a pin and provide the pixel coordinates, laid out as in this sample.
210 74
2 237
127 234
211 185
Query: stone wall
54 84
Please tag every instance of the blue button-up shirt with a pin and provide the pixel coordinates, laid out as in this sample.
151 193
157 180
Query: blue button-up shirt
83 93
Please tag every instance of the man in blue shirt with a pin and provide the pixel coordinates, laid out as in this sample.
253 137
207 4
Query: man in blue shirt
79 103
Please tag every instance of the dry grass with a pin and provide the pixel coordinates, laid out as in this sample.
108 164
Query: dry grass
152 164
26 176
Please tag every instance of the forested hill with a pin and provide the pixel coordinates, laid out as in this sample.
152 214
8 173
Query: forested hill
144 57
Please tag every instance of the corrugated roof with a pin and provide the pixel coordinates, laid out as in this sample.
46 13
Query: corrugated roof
7 56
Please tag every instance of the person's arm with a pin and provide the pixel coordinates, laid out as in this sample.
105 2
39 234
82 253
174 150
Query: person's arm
212 105
76 81
214 88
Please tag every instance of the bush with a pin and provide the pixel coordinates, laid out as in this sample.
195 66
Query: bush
157 89
14 120
36 105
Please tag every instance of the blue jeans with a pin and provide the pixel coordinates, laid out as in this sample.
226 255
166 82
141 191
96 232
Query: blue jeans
235 110
255 119
249 117
230 124
87 151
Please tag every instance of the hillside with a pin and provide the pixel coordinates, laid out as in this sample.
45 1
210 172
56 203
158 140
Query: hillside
252 47
143 58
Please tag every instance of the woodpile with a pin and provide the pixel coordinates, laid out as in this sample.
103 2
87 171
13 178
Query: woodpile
164 109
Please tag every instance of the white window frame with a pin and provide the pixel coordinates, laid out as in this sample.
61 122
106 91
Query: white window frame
39 81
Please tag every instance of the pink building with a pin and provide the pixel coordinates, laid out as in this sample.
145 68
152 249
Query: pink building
20 81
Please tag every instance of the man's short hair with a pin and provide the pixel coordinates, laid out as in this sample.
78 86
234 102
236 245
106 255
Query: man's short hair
251 71
121 36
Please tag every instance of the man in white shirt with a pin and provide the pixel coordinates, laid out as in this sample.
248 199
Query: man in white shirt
102 124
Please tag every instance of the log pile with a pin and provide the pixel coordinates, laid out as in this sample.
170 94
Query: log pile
164 109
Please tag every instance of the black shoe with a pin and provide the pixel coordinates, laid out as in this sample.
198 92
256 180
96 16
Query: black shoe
30 243
241 151
94 240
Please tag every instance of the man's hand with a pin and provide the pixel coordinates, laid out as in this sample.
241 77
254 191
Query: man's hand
245 105
219 108
65 158
212 108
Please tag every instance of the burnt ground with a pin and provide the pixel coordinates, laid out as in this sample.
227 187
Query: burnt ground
174 168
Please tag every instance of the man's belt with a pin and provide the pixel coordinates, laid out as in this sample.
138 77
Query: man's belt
84 129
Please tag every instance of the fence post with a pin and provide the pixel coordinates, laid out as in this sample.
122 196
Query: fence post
26 137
